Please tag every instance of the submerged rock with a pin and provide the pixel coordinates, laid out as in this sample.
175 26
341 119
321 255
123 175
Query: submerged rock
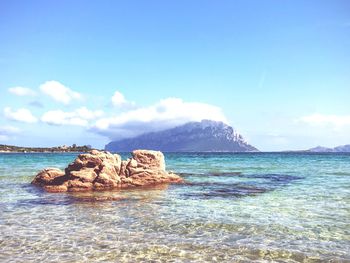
100 170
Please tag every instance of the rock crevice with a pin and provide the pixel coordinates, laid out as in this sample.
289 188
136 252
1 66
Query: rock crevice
101 170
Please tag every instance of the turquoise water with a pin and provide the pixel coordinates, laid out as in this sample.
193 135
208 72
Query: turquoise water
256 207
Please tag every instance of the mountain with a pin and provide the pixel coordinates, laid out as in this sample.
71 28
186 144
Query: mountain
338 149
320 149
204 136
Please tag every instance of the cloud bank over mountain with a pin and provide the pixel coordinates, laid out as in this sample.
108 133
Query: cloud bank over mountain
166 113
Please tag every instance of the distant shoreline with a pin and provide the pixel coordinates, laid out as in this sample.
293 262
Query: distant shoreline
43 152
58 149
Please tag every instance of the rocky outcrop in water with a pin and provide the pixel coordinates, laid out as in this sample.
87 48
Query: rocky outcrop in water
100 170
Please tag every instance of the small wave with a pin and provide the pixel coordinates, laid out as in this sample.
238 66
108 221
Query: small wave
64 200
191 174
339 173
225 173
283 178
213 173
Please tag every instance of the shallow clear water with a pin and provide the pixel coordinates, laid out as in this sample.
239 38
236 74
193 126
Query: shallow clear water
259 207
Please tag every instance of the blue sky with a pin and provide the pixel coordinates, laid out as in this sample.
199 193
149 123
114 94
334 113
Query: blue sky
87 72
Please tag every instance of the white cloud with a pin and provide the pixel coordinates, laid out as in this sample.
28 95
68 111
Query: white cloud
6 132
166 113
59 92
84 113
21 115
335 121
119 100
79 117
22 91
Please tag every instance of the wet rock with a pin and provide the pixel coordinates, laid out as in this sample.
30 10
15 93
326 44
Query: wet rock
149 159
100 170
49 176
56 188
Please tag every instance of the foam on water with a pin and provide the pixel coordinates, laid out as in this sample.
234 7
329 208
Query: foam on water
232 208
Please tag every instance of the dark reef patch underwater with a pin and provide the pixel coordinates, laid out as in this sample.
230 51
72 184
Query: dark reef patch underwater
265 183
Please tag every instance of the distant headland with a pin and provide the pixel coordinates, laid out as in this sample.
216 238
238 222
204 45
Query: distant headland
203 136
58 149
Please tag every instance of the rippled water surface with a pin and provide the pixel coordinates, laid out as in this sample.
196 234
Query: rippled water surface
233 208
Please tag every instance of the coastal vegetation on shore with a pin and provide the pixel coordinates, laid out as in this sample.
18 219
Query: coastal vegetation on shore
64 148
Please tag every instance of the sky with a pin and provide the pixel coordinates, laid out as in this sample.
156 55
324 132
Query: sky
88 72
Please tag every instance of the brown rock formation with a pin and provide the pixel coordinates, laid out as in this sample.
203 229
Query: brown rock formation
100 170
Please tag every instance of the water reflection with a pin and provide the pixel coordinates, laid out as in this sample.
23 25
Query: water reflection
41 197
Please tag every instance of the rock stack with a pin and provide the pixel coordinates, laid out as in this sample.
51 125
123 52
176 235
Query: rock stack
101 170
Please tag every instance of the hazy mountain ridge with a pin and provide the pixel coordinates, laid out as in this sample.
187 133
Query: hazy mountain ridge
205 136
341 148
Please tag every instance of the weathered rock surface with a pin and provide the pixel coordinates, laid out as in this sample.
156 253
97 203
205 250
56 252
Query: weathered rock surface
100 170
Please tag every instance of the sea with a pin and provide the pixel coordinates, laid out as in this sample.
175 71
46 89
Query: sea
233 207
